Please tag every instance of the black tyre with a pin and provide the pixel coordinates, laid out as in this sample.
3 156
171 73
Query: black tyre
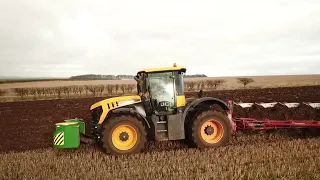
209 129
123 134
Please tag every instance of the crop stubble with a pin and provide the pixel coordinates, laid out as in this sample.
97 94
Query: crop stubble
266 156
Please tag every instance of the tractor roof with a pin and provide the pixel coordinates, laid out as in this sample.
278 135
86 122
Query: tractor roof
163 69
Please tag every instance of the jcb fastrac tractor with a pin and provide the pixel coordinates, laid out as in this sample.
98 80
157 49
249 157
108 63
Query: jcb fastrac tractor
159 111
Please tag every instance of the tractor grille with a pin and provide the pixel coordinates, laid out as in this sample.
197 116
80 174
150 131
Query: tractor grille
95 115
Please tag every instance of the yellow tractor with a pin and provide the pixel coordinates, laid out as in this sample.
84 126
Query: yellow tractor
159 111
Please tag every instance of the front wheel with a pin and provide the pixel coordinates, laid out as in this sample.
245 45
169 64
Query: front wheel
209 129
123 134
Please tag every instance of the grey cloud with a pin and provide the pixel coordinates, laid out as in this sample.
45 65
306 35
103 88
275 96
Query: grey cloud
206 38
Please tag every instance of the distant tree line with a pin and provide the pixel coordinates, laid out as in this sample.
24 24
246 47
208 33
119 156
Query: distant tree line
3 81
100 77
117 77
195 75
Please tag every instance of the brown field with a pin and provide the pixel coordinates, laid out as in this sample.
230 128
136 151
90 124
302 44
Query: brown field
27 127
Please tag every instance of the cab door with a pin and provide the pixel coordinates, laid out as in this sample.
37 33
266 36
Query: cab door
162 92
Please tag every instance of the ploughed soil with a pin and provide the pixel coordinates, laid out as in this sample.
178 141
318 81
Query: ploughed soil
29 125
278 112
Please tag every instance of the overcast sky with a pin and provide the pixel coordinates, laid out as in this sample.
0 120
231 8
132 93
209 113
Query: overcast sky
216 38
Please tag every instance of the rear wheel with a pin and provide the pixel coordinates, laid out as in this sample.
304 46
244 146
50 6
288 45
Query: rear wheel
209 129
123 134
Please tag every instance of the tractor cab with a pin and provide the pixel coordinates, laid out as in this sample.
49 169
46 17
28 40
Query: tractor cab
161 89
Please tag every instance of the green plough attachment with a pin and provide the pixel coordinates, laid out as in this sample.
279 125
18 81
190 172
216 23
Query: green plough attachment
67 134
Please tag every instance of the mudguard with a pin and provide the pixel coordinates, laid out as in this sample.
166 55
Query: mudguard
114 103
137 110
206 100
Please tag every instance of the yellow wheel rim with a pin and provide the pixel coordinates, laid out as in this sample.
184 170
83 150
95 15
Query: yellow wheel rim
212 131
124 137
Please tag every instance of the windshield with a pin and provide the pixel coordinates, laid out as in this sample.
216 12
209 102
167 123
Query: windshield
161 87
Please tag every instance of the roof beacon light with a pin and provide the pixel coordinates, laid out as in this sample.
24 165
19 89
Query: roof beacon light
174 65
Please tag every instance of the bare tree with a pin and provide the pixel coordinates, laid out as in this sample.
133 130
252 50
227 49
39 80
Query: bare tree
40 92
116 88
245 81
130 87
80 89
93 90
59 90
123 88
186 86
100 88
22 92
50 91
191 85
2 92
198 84
202 84
33 91
218 82
66 90
110 89
86 89
209 83
75 89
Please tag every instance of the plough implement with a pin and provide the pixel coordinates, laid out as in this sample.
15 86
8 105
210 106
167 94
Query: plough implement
160 112
248 123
